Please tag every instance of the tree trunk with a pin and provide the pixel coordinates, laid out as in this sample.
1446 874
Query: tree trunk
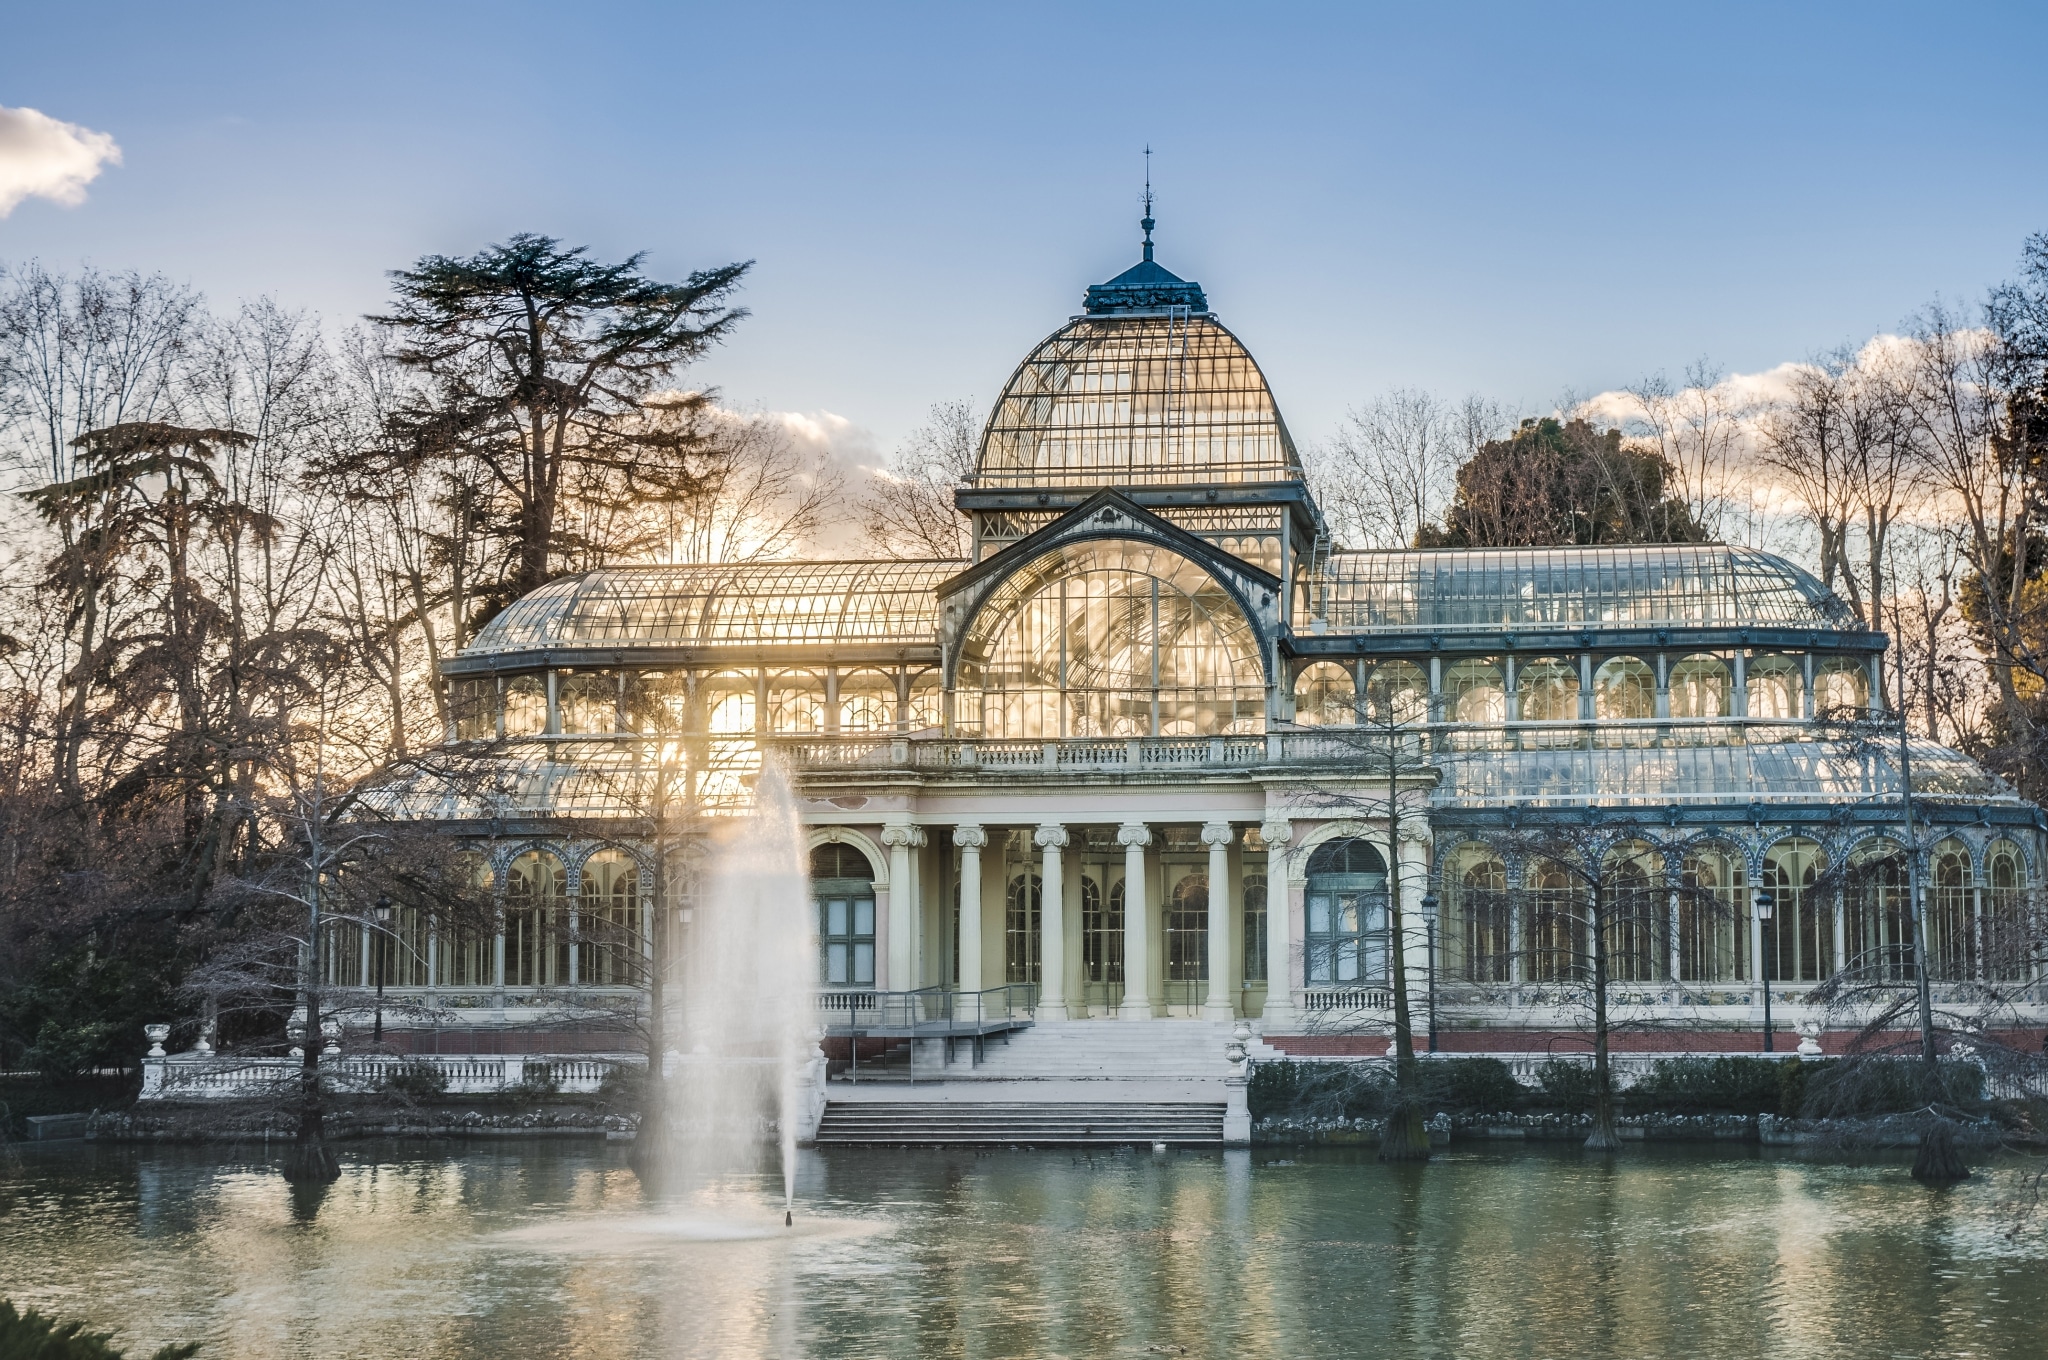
1603 1137
1404 1137
311 1161
1938 1162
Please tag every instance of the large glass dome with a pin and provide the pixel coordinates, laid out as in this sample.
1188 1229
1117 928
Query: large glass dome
1144 390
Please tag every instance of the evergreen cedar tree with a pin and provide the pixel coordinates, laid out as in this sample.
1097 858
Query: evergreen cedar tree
1562 482
539 362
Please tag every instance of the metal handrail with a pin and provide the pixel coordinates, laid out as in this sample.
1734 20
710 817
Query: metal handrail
936 1007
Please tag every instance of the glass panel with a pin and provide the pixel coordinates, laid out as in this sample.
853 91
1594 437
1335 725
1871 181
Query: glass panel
1319 915
1775 685
863 964
864 916
1625 688
836 917
1324 694
835 963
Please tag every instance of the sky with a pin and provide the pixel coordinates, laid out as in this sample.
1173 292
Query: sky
1514 200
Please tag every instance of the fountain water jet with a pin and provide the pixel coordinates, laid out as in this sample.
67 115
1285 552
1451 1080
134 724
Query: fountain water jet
748 1044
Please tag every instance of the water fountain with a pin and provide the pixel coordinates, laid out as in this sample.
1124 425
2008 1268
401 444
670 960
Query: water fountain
748 1053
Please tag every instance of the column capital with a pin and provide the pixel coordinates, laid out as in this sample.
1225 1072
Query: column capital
902 835
970 837
1134 835
1217 833
1276 833
1050 836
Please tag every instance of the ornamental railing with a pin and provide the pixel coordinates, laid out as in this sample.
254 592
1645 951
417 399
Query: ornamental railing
927 1010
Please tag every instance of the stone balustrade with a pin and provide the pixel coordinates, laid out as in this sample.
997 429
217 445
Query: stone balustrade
214 1076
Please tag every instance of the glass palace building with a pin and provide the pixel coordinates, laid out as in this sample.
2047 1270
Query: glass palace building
1134 750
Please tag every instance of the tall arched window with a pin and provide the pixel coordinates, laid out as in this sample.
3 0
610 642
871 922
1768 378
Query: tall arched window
1102 937
1021 915
843 886
1713 917
1187 940
1478 935
536 927
867 702
1347 913
1878 917
796 703
1841 684
1799 936
1952 915
1110 638
1634 908
1324 695
1555 923
1396 692
526 706
588 701
613 948
2008 941
1254 927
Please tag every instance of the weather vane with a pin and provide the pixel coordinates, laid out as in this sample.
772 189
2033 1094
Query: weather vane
1146 223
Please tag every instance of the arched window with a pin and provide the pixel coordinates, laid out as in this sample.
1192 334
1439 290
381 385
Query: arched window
1634 911
588 701
1549 691
1110 638
1798 938
1713 917
796 703
1701 687
1625 687
462 946
1878 917
1842 685
867 702
536 927
474 706
1951 915
927 702
2008 943
613 949
729 703
1775 685
1473 693
526 706
1022 912
1347 913
1396 692
1324 695
1555 923
1478 933
843 886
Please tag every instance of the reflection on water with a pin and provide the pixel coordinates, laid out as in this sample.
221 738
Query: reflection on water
549 1250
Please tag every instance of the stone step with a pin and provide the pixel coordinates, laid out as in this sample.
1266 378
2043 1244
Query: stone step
1070 1123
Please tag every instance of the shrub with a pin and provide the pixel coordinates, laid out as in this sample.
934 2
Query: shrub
1471 1086
1567 1085
415 1079
1328 1090
538 1082
622 1087
31 1336
1711 1086
1864 1086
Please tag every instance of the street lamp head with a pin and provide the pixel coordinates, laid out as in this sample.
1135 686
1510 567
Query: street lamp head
1429 906
383 909
1762 902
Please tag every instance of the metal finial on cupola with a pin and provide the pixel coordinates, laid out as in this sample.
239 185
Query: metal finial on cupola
1146 220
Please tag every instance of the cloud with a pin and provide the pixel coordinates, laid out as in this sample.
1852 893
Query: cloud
42 157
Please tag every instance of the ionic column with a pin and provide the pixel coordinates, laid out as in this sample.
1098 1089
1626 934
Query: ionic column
1052 924
1279 1014
897 976
970 839
1134 837
1221 1003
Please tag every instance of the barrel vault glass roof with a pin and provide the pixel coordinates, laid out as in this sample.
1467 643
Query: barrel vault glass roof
1162 398
709 605
1681 585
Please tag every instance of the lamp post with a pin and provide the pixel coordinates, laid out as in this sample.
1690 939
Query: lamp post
1762 902
1429 910
383 945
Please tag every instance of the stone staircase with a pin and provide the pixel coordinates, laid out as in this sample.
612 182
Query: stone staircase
1029 1124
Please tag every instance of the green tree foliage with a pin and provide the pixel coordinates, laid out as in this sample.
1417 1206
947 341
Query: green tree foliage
540 363
28 1335
1562 482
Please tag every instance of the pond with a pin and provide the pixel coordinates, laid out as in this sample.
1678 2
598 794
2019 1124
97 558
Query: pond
538 1249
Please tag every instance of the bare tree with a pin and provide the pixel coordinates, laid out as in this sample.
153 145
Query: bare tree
908 510
1697 427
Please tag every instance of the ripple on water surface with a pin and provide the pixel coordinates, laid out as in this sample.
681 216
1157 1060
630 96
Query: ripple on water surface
549 1250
